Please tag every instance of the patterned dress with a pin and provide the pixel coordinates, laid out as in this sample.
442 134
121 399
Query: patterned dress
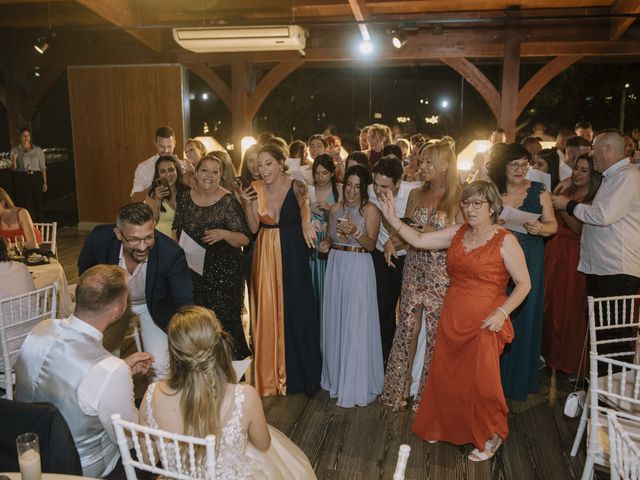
424 284
221 285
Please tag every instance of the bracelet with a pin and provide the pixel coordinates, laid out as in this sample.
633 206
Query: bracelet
357 234
500 309
400 227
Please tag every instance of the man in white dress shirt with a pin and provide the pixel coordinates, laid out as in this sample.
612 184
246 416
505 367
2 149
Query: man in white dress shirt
609 253
165 142
387 176
63 362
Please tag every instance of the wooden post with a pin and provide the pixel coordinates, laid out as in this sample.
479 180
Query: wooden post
241 121
510 81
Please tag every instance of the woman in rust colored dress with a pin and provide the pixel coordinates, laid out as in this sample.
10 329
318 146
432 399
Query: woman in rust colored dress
463 401
565 288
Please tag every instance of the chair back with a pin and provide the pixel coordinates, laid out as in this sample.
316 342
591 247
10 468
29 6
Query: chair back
49 233
401 465
613 326
624 441
177 453
18 316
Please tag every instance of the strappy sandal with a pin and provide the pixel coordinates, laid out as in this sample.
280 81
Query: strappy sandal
491 447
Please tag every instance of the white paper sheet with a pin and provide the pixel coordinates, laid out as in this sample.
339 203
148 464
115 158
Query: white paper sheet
565 171
540 177
515 219
194 253
241 366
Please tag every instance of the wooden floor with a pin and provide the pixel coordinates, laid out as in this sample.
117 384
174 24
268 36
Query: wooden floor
362 443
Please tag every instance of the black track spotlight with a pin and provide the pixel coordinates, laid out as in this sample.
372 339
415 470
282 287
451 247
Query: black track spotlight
42 44
399 39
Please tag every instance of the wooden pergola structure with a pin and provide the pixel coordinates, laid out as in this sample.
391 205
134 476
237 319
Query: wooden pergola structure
458 33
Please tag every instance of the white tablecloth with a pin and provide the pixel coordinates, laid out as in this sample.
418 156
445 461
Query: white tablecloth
46 476
47 274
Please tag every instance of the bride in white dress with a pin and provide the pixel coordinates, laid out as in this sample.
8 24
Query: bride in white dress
201 397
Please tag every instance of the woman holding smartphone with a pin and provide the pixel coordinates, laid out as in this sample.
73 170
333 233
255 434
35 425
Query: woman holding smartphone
284 319
163 193
352 367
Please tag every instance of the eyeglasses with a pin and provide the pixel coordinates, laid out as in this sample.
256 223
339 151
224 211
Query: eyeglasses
149 239
476 204
515 166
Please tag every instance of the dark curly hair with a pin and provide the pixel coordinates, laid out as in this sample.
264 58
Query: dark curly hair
497 166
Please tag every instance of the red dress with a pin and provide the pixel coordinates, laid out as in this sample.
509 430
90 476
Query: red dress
463 401
565 294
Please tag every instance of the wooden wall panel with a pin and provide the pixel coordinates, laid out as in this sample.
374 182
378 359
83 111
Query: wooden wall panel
115 112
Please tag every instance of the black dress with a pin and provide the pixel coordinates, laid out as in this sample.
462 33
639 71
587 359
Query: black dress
221 287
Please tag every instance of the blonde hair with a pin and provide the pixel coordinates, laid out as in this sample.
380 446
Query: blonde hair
199 368
6 199
198 144
440 155
383 131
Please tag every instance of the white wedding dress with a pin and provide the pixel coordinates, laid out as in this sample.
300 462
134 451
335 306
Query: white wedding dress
238 459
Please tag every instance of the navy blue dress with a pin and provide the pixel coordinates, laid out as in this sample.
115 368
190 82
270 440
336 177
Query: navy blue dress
519 364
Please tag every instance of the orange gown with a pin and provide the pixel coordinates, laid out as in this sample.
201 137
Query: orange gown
463 401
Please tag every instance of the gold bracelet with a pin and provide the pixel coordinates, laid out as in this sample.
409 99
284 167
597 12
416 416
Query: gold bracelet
400 227
503 312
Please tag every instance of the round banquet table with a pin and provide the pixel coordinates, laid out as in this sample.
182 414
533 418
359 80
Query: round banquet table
47 274
47 476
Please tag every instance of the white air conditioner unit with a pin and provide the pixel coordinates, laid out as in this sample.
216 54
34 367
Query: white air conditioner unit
241 39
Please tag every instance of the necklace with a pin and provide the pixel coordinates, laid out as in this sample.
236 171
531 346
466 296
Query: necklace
475 239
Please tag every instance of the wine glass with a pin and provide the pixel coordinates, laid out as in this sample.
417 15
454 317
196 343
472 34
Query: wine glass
19 240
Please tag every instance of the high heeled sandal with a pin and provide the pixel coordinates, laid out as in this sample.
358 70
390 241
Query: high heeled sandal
491 447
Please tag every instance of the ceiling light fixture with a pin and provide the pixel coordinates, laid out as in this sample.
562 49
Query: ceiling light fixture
41 45
399 39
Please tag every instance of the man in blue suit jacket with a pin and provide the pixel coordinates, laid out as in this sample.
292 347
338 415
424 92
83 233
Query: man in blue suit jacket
159 278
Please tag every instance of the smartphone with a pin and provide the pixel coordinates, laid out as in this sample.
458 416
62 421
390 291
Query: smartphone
407 220
162 182
242 182
342 220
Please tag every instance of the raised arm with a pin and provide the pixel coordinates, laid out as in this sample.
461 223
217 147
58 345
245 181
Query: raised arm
437 240
249 202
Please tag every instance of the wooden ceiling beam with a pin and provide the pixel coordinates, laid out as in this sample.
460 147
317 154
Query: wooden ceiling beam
213 80
478 80
122 13
542 77
361 13
270 81
620 25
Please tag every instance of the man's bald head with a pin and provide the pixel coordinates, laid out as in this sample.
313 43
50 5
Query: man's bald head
99 288
612 138
607 149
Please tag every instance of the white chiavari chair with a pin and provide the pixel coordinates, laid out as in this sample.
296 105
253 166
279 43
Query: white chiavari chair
176 454
49 233
18 316
613 332
624 446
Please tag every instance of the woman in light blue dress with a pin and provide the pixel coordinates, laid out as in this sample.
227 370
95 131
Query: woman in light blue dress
323 193
352 367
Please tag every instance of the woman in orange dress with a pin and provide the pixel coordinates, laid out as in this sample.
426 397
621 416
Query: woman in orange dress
463 401
15 221
284 317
